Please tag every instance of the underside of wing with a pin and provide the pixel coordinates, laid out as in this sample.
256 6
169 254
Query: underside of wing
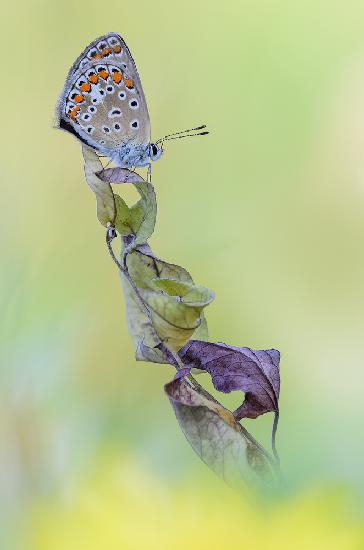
103 102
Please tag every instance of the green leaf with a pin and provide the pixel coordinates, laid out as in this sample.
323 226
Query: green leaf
187 293
150 355
139 323
174 322
128 219
139 218
165 270
123 220
175 307
144 213
105 203
202 332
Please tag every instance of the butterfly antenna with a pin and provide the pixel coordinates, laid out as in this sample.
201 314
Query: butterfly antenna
180 137
187 133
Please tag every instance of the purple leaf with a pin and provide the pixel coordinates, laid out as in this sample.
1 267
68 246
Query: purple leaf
119 175
215 435
255 372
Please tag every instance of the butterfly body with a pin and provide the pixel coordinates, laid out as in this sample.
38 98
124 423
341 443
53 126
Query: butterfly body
103 104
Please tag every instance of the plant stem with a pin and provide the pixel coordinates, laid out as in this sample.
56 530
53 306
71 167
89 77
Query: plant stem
124 270
178 363
273 440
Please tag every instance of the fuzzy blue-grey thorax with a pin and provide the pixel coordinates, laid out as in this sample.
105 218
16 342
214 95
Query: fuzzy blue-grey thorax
130 155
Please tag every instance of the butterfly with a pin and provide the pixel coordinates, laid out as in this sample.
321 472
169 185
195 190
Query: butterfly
103 105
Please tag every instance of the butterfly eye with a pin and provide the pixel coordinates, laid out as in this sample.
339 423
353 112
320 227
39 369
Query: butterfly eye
154 150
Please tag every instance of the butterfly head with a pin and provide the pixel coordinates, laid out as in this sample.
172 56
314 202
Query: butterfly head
155 152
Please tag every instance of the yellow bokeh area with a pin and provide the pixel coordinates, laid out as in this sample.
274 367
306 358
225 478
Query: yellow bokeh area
267 211
123 506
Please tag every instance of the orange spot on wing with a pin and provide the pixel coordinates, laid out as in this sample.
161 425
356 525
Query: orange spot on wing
96 55
117 77
105 52
129 83
103 73
78 98
93 78
85 87
117 49
74 112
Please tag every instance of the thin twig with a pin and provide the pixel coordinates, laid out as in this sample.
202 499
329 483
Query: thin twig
110 236
273 440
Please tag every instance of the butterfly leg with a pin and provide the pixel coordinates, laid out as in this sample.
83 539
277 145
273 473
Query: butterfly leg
149 173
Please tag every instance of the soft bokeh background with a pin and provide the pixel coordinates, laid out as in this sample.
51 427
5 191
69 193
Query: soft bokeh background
268 211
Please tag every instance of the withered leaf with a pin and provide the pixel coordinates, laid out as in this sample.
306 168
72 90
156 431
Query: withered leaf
255 372
139 219
124 222
105 203
175 307
119 175
215 435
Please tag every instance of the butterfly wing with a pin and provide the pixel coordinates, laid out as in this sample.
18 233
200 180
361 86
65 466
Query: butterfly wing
102 102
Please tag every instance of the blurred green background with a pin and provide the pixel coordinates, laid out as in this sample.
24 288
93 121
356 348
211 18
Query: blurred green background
268 211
